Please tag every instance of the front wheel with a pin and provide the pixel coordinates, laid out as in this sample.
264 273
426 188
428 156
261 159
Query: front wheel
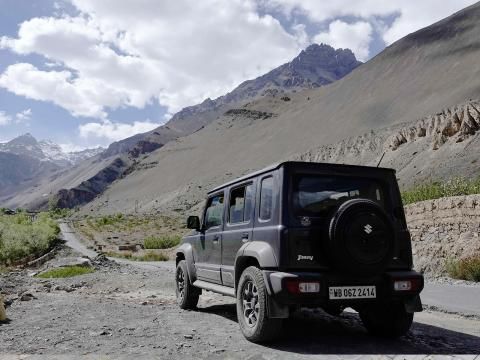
252 314
389 320
187 294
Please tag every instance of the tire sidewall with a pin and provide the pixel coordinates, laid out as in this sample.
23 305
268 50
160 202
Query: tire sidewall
183 302
253 274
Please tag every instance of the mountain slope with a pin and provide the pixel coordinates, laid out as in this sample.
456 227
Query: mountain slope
418 76
314 67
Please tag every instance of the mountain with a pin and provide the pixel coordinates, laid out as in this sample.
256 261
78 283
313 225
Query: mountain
24 161
315 66
416 102
46 150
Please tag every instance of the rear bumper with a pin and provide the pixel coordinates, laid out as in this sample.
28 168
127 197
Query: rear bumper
384 284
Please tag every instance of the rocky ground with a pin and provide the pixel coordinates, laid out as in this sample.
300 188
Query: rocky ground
123 310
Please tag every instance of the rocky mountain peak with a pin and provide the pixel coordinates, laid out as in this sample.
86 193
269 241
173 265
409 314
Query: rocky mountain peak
317 58
25 139
317 65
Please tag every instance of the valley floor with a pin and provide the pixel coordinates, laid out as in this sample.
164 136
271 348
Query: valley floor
126 310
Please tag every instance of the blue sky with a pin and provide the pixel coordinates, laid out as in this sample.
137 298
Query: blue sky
85 72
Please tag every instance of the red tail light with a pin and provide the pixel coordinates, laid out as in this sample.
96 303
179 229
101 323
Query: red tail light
407 285
295 286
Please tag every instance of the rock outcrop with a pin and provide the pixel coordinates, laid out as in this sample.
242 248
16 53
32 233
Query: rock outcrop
453 124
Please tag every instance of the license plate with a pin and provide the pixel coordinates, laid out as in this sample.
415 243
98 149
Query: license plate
352 292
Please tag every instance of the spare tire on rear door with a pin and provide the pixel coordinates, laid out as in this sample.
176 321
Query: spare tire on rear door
361 238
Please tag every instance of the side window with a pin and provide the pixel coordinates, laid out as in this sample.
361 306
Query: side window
214 212
240 204
266 199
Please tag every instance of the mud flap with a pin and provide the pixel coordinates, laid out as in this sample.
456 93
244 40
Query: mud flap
276 310
413 304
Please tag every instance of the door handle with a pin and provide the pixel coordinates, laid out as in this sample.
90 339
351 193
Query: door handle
215 239
245 237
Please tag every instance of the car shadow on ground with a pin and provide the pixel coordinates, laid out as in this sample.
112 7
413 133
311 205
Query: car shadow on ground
315 332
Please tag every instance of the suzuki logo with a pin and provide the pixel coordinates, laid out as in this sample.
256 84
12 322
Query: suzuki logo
368 228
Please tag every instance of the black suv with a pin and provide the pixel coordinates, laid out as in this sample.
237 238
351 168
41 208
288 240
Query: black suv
303 234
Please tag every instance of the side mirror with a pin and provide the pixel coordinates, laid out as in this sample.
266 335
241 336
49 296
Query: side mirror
193 222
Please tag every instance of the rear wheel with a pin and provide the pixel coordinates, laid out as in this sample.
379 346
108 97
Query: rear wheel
252 314
390 320
187 294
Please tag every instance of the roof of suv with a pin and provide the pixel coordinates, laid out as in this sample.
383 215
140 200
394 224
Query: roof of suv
295 163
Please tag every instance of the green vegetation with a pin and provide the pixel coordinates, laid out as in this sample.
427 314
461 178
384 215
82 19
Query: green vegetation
465 269
161 242
149 256
58 213
436 190
22 235
121 222
67 271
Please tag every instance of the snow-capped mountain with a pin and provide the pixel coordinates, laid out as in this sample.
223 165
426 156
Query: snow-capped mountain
46 150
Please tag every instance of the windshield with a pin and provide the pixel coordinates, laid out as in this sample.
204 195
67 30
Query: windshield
318 195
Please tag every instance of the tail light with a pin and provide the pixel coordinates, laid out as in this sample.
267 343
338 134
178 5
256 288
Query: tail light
407 285
296 286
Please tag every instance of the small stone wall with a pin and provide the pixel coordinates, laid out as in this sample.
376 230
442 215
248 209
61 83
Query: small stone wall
443 229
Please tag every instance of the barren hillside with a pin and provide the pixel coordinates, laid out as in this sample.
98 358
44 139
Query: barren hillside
420 77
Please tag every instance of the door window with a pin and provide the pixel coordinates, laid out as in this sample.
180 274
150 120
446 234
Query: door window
214 212
240 204
266 199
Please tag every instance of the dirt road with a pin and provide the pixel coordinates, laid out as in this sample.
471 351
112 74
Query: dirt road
126 311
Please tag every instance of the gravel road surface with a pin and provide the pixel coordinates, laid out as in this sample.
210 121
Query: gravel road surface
124 311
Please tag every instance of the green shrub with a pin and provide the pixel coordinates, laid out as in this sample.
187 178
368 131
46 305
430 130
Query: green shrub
149 256
465 269
165 242
67 271
436 190
21 237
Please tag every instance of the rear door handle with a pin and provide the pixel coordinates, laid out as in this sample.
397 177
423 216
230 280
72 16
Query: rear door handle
216 238
244 237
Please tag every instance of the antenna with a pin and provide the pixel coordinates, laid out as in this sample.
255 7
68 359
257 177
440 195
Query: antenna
381 158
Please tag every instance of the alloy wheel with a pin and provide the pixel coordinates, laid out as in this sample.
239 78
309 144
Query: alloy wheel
251 307
180 283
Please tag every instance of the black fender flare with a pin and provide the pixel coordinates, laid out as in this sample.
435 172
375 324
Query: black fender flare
186 251
261 251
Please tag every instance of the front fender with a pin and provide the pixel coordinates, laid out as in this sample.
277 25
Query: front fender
186 250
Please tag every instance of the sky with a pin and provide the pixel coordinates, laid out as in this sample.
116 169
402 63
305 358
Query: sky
85 73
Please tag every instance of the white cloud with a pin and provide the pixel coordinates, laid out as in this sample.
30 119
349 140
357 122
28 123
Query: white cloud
411 14
129 53
115 131
23 116
4 118
82 97
356 37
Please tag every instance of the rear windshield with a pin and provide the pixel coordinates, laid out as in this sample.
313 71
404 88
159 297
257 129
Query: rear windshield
319 195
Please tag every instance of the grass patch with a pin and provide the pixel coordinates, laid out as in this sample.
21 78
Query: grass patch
149 256
437 190
21 236
161 242
465 269
67 271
